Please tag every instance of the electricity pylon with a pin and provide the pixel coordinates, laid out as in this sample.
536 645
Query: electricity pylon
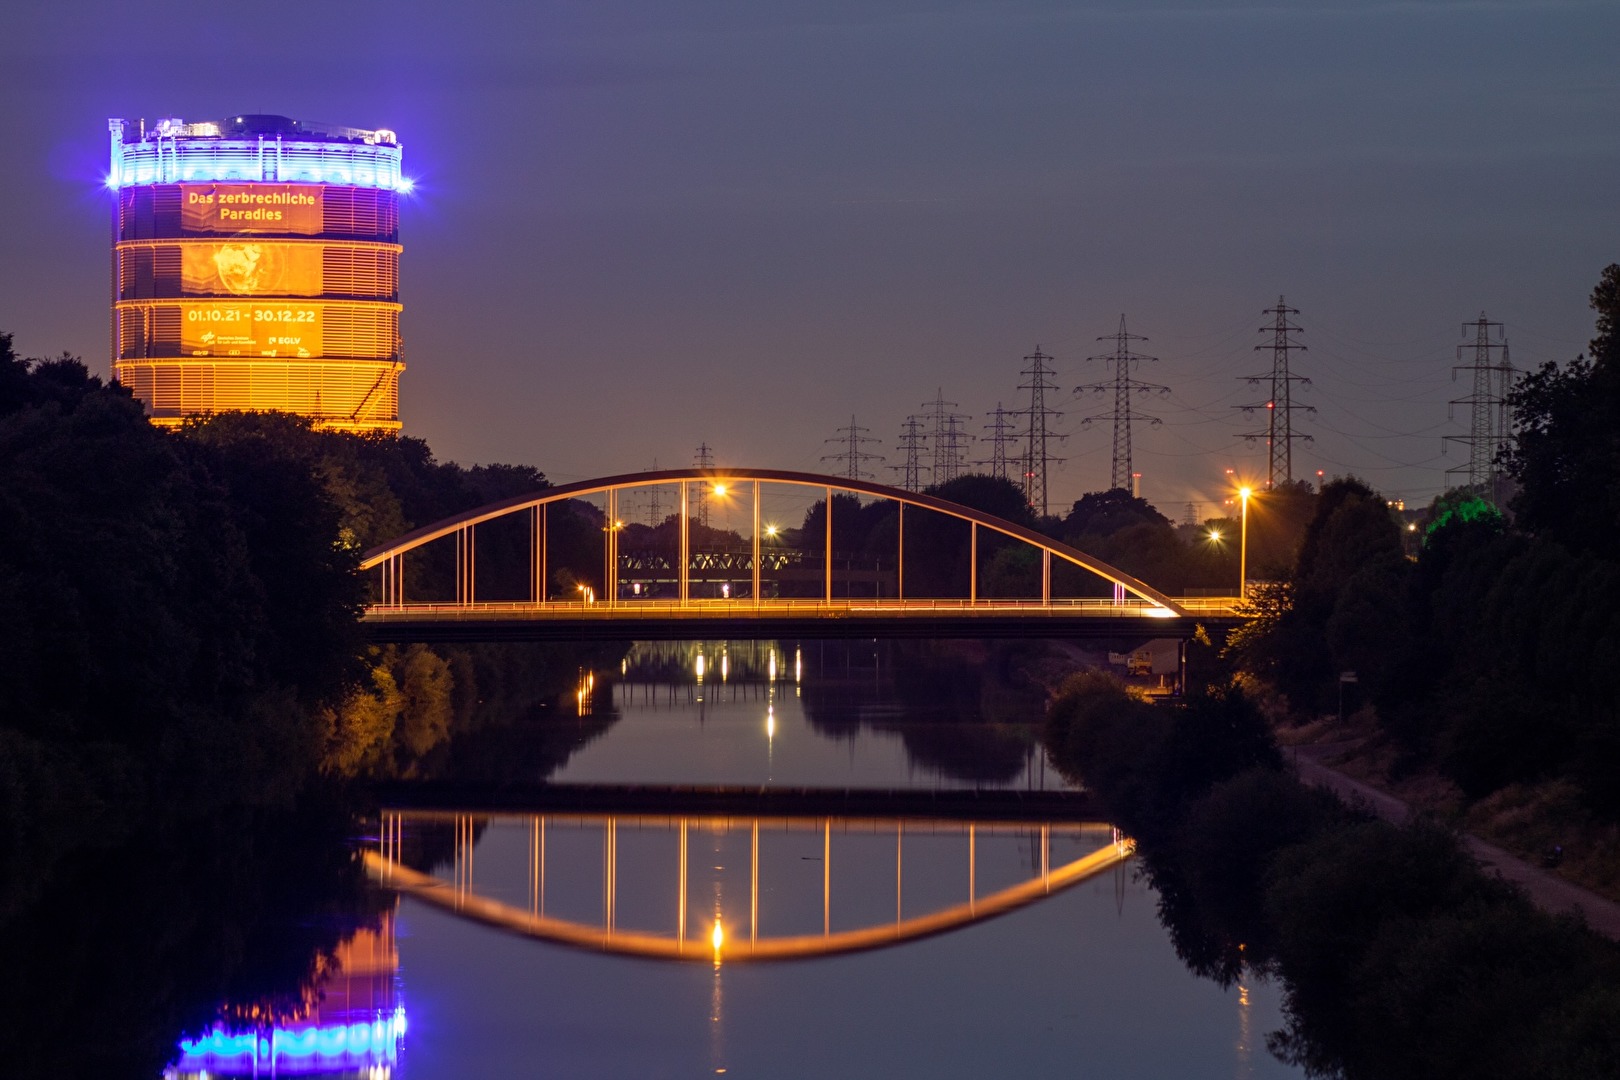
1002 432
1123 384
913 441
950 441
853 457
1490 425
1279 433
1038 434
704 459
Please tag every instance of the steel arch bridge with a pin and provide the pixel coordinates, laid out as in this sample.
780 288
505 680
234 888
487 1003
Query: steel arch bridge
728 936
623 611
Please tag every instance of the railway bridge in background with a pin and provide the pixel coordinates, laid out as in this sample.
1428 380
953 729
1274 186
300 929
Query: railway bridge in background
687 580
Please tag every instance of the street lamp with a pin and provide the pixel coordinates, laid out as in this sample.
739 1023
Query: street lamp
1243 546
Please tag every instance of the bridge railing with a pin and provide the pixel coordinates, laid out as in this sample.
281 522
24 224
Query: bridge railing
744 607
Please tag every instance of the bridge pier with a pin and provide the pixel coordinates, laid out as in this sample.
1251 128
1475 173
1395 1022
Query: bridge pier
683 585
973 561
755 592
828 561
466 566
537 553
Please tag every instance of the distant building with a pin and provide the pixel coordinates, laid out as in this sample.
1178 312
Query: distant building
256 266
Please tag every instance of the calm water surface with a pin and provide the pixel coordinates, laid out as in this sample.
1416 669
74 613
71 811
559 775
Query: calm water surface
1083 983
1080 983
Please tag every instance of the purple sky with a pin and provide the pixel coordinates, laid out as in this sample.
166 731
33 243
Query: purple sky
639 225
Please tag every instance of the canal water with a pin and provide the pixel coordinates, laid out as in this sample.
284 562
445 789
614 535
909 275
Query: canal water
471 975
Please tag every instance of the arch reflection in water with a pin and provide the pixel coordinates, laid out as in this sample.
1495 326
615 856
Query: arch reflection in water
726 921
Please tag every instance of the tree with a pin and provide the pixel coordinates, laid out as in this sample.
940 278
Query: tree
1567 454
1100 513
989 495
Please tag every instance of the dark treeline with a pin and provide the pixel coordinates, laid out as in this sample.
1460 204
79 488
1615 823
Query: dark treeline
1398 957
186 700
1490 656
1486 657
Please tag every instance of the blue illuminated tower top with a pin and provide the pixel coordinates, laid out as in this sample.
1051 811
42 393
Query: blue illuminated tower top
253 147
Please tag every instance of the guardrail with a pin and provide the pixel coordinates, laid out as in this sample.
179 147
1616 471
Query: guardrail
745 608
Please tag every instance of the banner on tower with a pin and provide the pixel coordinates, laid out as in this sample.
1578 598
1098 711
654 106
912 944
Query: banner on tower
230 329
252 208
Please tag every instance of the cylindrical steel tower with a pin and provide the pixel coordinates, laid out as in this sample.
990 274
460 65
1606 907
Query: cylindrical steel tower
256 266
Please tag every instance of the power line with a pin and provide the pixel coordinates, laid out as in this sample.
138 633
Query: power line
1038 435
1122 360
1490 424
853 457
1279 433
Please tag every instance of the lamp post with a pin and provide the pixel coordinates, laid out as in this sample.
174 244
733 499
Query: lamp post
1243 546
610 553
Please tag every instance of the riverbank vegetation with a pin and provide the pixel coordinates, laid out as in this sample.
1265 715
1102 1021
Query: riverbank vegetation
179 609
1398 957
1485 662
186 698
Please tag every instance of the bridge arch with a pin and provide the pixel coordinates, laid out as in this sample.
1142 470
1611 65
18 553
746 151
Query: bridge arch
388 556
743 940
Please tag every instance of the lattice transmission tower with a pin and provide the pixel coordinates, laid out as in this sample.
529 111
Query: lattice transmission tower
1038 434
913 443
703 459
1490 423
852 457
1123 384
950 441
1003 433
1279 433
655 501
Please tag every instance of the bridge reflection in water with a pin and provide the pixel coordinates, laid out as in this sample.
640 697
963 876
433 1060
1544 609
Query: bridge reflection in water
728 922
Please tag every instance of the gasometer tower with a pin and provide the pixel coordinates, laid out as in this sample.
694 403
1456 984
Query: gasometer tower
256 266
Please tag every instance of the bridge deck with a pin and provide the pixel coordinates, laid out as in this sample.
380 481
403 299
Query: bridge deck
658 620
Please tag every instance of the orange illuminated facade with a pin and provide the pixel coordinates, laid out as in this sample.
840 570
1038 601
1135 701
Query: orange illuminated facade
256 266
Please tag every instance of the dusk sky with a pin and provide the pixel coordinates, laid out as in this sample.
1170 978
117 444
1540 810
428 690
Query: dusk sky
640 225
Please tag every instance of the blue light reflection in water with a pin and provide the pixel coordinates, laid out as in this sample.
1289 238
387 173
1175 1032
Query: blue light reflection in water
294 1050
